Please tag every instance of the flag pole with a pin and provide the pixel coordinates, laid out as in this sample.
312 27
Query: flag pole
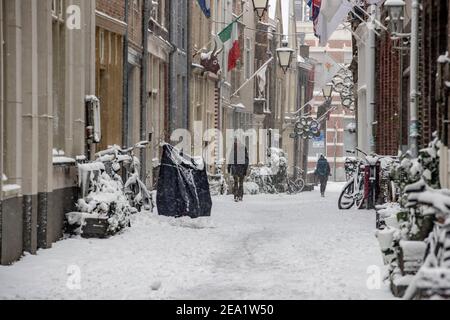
251 78
238 17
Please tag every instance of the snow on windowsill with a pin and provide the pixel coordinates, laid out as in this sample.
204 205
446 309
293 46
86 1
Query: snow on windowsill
61 160
10 190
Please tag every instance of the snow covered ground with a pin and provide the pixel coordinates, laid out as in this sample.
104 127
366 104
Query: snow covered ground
268 247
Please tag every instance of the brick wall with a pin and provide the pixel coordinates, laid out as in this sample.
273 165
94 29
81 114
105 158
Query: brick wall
388 101
433 43
135 22
116 9
113 8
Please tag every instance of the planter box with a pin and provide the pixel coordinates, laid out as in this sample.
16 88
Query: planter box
95 228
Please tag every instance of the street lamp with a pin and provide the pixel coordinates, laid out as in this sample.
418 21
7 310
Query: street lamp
395 10
285 58
327 91
260 7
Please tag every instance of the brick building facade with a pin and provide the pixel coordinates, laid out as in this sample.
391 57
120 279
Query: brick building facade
389 134
392 115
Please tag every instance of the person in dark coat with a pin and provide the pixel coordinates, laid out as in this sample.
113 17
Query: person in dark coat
238 168
323 172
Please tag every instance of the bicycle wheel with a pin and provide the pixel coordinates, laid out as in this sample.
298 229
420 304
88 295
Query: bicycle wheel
300 184
360 198
346 200
292 186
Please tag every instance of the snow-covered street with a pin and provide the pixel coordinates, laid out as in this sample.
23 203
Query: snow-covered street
268 247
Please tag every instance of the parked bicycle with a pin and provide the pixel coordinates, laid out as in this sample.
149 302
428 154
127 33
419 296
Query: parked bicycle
353 192
364 187
117 158
295 183
262 177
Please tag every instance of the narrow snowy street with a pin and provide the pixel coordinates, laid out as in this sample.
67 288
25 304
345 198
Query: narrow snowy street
268 247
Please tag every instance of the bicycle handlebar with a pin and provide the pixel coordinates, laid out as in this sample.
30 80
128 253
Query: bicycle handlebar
359 150
115 149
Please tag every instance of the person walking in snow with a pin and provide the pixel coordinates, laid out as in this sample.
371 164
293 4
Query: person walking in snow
323 172
238 168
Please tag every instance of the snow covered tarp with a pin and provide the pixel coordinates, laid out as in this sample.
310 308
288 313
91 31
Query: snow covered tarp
183 188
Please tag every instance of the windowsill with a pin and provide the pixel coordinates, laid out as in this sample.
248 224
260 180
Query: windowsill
10 191
63 161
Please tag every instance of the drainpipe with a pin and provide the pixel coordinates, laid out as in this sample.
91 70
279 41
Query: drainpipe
125 81
2 99
144 92
413 78
371 78
2 104
170 69
189 63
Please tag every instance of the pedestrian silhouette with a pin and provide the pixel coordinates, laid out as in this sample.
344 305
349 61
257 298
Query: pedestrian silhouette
238 168
323 172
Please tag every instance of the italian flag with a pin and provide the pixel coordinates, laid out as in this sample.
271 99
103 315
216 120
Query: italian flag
234 53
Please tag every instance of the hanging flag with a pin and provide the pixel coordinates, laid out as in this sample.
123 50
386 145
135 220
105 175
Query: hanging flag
234 53
325 70
226 33
314 5
205 5
262 81
332 14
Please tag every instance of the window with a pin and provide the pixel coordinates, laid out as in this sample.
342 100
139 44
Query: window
110 47
101 46
117 48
